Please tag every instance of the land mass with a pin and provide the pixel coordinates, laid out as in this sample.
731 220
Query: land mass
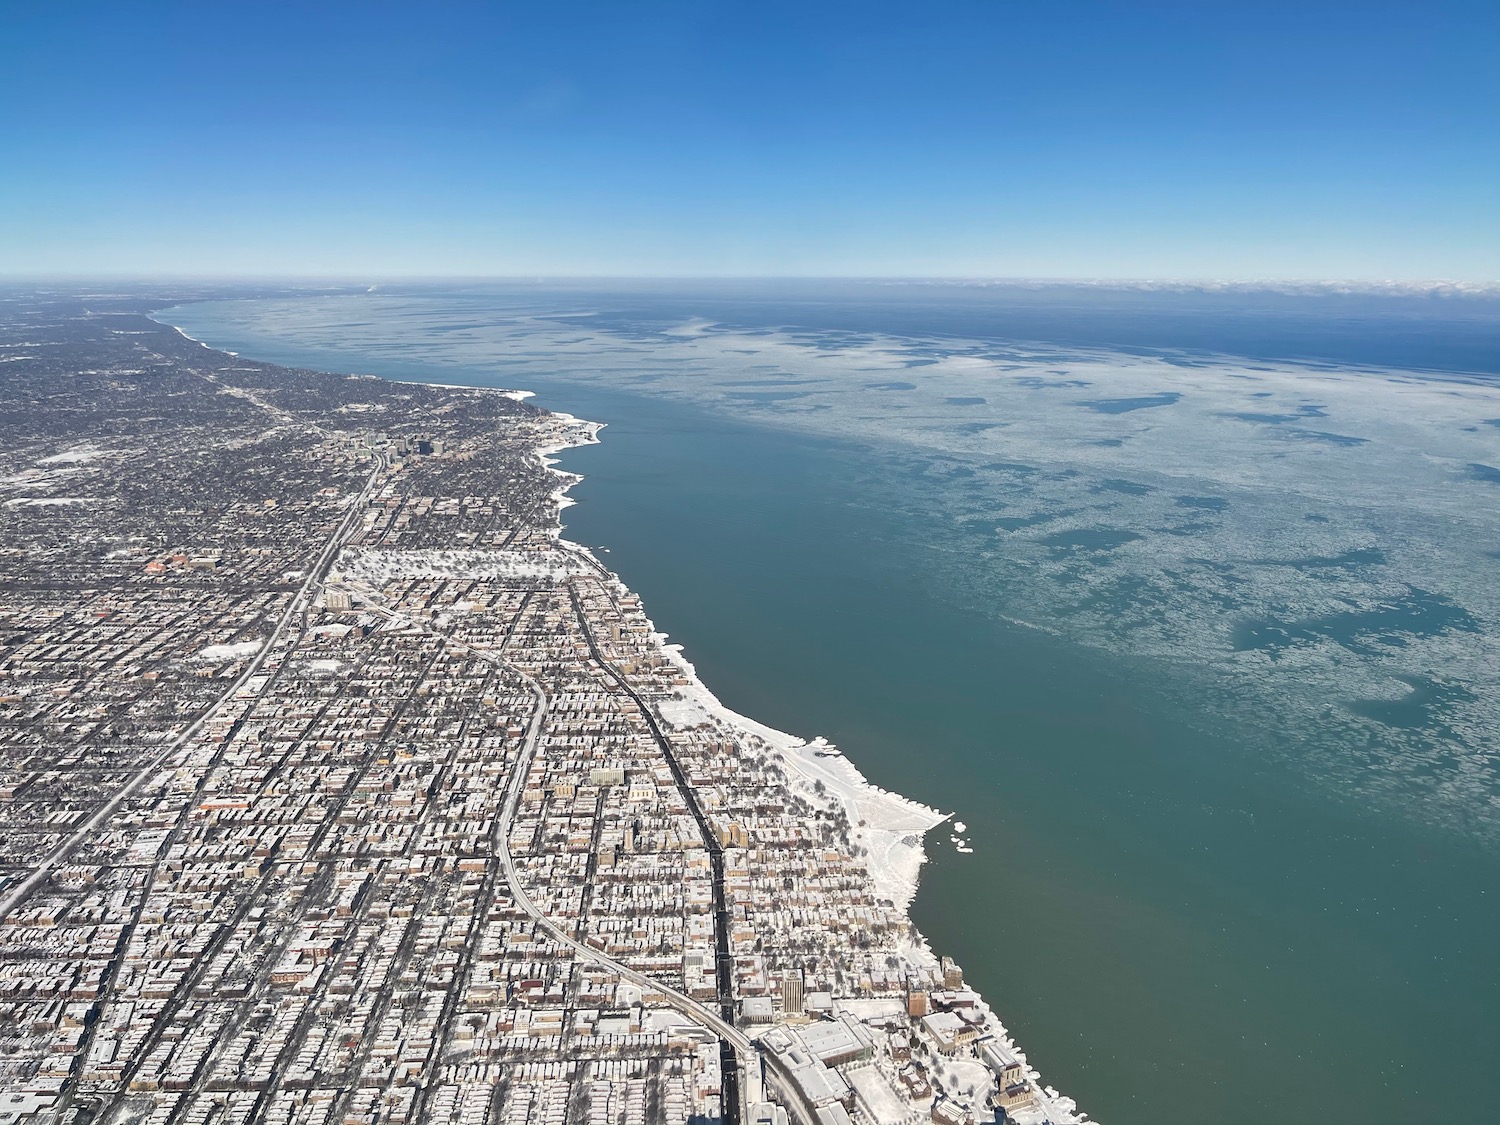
337 786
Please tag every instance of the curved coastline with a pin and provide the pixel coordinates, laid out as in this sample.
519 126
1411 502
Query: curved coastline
1166 903
889 827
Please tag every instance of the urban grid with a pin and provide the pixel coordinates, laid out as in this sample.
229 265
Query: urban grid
337 788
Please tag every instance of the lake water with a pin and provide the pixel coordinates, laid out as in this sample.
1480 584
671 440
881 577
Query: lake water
1186 603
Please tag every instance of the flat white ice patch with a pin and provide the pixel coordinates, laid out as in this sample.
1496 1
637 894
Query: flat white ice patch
697 326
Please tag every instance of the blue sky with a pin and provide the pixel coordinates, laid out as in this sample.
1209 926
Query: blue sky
1038 139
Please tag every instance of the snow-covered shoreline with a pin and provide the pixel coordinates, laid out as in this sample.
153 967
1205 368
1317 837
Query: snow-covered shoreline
890 827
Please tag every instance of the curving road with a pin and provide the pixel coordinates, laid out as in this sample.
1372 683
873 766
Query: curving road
738 1078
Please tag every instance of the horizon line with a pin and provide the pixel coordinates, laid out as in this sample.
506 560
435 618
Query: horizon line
373 280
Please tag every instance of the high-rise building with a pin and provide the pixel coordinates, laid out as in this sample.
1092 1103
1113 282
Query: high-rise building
791 993
953 976
916 1003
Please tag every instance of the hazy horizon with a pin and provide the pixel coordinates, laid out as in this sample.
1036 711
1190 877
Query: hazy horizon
1072 140
1311 286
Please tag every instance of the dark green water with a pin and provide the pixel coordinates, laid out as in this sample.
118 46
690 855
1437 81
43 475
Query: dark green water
1176 928
1174 933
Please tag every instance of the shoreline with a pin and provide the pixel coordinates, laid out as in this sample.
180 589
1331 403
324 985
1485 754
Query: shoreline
892 828
889 826
879 818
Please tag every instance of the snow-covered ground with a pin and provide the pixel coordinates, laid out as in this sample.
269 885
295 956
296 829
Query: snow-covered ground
73 456
887 824
228 652
376 566
890 827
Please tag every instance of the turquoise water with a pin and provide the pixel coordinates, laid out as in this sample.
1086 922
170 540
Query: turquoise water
1203 889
